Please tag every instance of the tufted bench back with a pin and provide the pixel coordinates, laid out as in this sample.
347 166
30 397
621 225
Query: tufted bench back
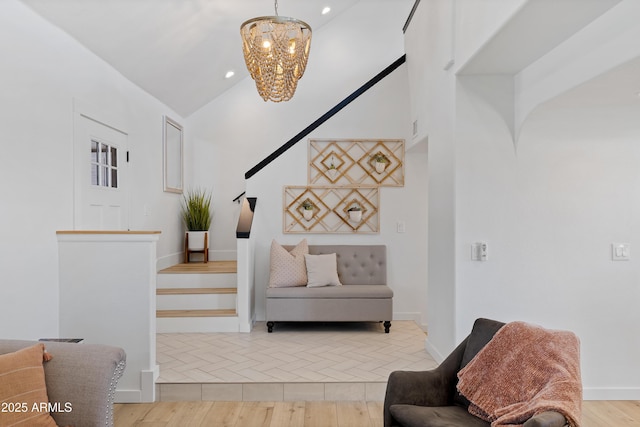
357 264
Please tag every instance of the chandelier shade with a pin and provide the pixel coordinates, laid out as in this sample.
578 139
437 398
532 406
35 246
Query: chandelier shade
276 50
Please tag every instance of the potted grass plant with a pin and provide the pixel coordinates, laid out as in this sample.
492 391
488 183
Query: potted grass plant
196 215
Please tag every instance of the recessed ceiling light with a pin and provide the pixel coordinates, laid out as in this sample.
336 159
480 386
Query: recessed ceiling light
229 74
326 10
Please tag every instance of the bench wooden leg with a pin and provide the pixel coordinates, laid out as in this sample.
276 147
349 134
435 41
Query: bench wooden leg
270 326
387 325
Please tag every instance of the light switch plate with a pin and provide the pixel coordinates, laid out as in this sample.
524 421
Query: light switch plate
479 251
620 251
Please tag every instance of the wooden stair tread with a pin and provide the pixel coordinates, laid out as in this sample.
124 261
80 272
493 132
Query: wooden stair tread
195 291
211 267
196 313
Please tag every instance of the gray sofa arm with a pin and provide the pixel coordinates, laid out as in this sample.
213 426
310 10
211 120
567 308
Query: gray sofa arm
436 387
82 378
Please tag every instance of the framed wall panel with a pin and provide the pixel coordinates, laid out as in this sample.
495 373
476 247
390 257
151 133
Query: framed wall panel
173 173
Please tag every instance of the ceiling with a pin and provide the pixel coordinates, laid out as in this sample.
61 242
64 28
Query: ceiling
178 50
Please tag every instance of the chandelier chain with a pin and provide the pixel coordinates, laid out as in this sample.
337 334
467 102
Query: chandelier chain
276 5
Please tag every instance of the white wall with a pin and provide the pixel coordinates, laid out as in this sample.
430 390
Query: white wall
429 46
476 22
550 212
238 129
604 44
549 209
405 251
43 72
589 155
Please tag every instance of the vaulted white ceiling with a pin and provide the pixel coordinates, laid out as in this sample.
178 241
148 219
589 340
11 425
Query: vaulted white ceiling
178 50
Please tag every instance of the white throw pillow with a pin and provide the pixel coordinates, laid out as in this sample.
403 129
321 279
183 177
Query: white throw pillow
288 268
322 270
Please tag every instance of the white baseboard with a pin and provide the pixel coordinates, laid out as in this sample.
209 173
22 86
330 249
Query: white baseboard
185 325
407 315
128 396
223 255
148 381
169 260
248 326
611 393
433 351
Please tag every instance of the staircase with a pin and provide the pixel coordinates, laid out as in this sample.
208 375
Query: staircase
197 297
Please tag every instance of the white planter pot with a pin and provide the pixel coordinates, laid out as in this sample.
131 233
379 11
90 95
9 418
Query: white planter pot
196 240
307 214
381 166
355 216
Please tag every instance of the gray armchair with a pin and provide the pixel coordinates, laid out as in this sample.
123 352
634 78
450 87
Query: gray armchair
430 398
85 375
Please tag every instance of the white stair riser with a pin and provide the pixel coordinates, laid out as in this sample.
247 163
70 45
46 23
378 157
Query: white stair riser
222 280
197 324
196 302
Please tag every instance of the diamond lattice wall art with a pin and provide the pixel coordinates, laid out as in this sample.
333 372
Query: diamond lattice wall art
331 209
355 162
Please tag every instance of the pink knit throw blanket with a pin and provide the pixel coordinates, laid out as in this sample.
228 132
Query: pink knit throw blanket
522 371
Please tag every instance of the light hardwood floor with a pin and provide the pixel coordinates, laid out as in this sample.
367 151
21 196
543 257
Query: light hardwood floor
316 414
250 414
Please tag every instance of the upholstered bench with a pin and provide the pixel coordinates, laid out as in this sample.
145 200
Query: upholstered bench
363 297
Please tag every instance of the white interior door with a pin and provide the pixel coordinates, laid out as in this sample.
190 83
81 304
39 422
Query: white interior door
100 175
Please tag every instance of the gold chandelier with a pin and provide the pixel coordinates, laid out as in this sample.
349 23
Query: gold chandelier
276 50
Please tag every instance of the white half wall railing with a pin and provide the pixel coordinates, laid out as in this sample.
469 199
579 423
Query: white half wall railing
245 302
108 296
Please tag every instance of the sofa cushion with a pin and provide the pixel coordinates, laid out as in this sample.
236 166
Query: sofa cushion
287 268
434 416
329 292
322 270
23 389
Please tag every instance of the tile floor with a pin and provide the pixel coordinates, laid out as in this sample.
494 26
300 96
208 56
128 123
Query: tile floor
298 361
